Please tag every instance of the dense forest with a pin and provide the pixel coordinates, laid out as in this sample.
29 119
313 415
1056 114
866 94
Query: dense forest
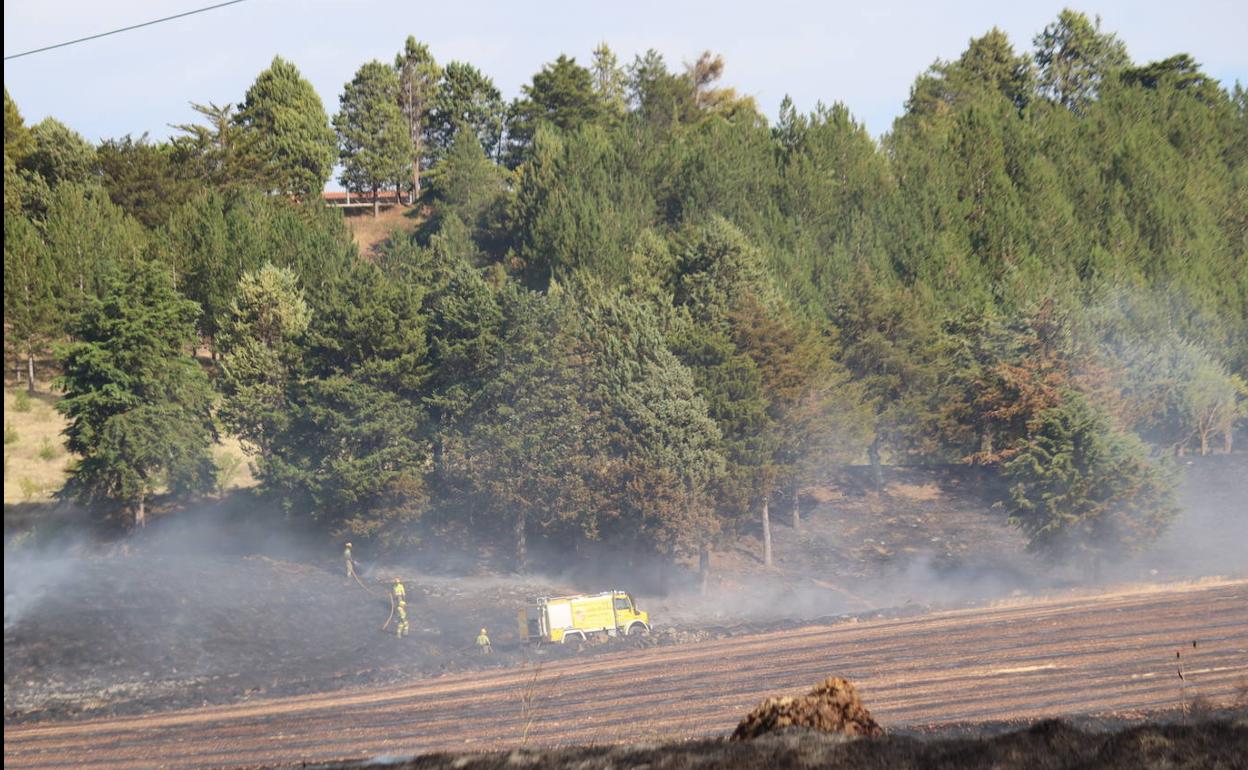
634 310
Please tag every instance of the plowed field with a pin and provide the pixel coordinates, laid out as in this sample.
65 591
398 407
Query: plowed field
1106 653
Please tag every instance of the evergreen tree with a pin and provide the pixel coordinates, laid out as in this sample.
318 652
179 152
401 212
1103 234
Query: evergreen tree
137 403
17 145
1074 57
285 122
466 96
376 145
146 180
58 156
610 80
223 153
1079 487
261 344
30 301
561 95
419 77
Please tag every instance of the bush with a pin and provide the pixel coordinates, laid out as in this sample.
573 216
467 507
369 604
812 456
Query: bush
10 433
47 450
29 488
227 468
21 401
1082 488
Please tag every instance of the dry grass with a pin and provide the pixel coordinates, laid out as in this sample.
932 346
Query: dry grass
369 232
35 464
914 491
29 477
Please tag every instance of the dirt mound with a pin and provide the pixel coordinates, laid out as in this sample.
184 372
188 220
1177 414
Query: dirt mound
832 707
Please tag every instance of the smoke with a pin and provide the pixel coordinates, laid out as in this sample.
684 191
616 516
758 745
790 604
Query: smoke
29 578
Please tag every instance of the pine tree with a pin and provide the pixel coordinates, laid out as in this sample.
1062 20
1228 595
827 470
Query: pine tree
467 97
1074 57
137 403
1081 489
376 145
285 122
30 302
419 77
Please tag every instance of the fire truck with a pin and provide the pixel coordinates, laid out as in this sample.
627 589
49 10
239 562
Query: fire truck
577 618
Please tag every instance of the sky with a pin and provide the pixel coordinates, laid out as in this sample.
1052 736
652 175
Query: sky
865 54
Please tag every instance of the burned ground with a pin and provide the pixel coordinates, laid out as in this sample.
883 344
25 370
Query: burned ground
1048 745
1110 654
187 615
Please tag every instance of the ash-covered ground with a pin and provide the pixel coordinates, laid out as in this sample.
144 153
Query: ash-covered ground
220 608
1047 745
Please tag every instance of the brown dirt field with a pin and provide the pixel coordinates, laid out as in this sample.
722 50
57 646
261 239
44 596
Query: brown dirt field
369 232
1111 652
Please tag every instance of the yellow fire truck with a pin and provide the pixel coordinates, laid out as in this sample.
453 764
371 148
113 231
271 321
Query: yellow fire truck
560 618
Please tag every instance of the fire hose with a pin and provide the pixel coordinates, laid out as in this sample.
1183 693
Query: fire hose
391 617
356 576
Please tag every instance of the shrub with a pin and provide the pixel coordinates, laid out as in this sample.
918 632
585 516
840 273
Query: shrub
29 488
21 401
47 450
10 433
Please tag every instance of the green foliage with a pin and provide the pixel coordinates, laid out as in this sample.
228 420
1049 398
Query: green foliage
58 155
417 93
47 452
285 122
465 96
222 153
138 405
561 95
376 144
30 290
1074 57
579 207
228 465
21 401
666 312
17 145
1080 487
260 354
146 180
87 238
10 433
470 188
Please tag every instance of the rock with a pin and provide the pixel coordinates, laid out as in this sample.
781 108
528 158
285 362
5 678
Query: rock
831 707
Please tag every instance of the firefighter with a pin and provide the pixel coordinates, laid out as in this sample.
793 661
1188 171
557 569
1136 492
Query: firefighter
401 630
346 554
483 643
399 592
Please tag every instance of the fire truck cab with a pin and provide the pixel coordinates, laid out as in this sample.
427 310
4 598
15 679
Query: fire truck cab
560 618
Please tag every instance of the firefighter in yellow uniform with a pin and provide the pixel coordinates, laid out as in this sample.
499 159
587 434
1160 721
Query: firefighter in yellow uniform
401 630
399 592
483 643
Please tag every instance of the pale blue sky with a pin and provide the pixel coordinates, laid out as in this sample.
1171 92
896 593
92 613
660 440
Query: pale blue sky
863 54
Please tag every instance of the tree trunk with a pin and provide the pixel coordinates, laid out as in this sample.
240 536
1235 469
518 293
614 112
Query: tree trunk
1226 439
30 372
140 513
877 472
376 203
416 168
797 510
766 535
1204 443
522 549
704 568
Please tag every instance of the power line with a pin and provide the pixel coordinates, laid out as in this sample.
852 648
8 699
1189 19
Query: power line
123 29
